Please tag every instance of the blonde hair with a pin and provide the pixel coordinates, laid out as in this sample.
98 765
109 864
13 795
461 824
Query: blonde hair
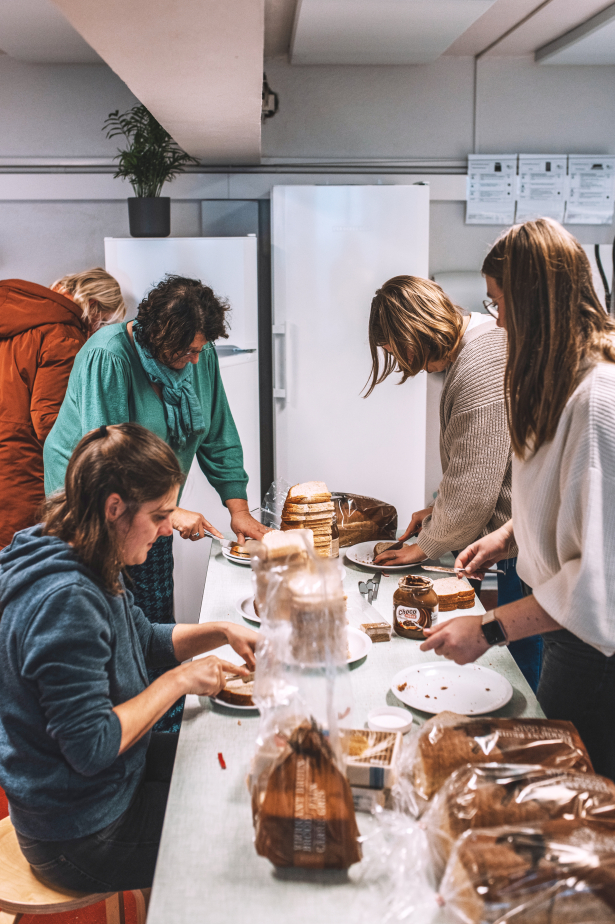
555 324
418 321
96 285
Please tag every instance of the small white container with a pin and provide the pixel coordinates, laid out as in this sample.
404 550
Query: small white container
390 719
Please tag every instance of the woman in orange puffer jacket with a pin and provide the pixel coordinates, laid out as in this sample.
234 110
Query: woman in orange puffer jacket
41 332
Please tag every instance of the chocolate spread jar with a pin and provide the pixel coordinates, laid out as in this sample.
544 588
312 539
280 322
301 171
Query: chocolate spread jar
415 606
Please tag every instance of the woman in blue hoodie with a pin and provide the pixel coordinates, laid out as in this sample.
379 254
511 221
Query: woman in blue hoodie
87 781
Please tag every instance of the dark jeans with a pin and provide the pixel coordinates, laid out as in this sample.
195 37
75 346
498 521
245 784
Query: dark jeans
578 684
527 652
123 855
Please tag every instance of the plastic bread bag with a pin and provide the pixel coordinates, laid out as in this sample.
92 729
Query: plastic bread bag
556 872
360 518
488 795
448 741
273 502
301 800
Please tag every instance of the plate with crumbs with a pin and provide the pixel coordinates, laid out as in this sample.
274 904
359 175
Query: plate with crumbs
436 686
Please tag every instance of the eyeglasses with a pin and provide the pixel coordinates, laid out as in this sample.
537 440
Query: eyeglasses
191 353
492 307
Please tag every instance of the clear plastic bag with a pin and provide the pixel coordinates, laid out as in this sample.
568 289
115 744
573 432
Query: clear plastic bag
360 519
273 502
556 872
301 800
448 741
487 795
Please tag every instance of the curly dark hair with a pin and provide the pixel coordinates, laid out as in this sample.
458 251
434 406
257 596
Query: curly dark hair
174 312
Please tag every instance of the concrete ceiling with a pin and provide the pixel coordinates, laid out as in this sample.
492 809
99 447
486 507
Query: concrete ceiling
35 31
379 31
196 64
593 42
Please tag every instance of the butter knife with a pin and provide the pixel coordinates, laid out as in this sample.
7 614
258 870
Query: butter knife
459 570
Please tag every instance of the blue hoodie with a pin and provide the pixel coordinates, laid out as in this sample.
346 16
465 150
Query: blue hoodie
69 653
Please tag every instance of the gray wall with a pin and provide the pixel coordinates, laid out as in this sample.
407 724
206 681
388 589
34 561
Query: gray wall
377 113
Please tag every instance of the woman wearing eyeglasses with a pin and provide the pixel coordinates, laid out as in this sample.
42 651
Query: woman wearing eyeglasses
161 371
417 327
560 386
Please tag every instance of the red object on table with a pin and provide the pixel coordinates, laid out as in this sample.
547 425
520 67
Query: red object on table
221 760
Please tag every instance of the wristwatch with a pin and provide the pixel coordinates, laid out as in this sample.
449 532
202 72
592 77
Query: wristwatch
493 630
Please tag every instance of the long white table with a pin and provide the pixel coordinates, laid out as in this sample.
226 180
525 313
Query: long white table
208 869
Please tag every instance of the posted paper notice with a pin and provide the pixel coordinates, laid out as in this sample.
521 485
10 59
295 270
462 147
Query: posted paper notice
541 187
591 183
491 189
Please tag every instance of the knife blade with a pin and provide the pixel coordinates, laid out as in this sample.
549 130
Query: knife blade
376 583
459 570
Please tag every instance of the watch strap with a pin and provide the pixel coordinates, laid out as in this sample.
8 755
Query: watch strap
493 630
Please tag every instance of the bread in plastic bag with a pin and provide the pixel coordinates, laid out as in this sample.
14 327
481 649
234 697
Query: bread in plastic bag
556 872
306 815
488 795
301 800
360 519
448 741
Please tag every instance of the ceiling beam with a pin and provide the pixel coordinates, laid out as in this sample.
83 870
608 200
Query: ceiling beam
196 64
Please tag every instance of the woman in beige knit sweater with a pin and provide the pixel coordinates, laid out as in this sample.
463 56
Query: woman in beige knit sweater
560 383
418 328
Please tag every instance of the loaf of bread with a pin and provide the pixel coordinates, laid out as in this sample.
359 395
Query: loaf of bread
303 808
453 594
557 872
490 795
309 506
448 741
360 519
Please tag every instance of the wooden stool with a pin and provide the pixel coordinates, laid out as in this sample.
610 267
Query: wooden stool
22 893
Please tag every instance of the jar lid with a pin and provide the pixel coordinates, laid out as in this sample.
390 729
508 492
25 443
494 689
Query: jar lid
415 582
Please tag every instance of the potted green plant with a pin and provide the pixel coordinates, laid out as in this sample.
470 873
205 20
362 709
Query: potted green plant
150 158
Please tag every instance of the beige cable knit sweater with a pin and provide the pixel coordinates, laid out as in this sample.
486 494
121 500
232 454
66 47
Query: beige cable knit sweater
564 514
474 496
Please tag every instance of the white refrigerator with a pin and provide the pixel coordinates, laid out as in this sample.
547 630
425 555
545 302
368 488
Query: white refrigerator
332 247
229 266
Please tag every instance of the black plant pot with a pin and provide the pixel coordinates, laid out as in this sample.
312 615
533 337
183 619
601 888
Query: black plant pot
149 216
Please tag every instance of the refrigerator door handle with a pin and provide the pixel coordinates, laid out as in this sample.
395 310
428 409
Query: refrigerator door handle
279 360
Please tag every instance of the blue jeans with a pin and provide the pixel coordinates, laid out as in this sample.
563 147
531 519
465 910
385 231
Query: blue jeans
527 652
123 855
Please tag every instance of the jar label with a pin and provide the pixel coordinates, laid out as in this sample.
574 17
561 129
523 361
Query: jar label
408 616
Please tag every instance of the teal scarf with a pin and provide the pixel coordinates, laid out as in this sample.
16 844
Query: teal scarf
181 405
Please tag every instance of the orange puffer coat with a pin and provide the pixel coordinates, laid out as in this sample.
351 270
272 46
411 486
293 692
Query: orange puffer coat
41 332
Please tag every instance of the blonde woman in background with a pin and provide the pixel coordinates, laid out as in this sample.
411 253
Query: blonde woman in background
560 387
417 327
41 331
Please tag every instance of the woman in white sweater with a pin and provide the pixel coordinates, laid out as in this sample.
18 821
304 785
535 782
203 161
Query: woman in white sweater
560 386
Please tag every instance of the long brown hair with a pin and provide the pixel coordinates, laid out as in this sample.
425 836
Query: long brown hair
419 322
124 459
555 323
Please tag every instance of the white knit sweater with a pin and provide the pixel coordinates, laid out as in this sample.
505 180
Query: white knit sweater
564 514
474 496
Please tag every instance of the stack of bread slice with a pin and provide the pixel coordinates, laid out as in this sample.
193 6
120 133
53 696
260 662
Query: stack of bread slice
454 594
309 506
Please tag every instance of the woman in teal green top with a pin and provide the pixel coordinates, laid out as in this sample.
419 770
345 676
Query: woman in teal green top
162 372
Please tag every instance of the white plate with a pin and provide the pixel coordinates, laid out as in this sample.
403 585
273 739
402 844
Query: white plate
362 554
221 702
245 608
358 642
233 558
468 689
